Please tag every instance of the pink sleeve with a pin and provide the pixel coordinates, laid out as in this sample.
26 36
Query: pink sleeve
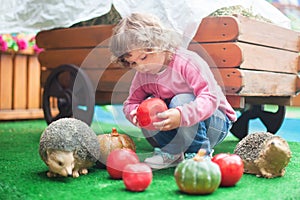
136 96
206 91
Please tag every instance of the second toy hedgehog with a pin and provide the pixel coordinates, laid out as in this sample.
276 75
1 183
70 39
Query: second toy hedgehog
264 154
68 146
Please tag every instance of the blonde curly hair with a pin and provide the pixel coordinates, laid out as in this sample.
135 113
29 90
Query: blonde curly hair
142 31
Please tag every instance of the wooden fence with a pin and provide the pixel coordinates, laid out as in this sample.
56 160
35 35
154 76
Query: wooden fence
20 88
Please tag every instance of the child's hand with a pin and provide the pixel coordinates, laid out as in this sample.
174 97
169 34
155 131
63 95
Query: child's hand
134 118
172 118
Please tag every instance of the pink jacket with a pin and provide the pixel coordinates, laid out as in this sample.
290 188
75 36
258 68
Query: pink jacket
186 73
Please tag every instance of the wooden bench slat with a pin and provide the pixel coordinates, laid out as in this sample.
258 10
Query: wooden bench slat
21 114
227 54
231 28
253 31
74 37
217 29
229 79
262 83
98 58
268 59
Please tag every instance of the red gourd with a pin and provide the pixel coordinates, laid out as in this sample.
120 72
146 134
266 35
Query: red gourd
231 166
137 177
117 161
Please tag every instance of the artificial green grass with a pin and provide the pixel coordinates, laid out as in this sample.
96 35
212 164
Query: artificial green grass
23 174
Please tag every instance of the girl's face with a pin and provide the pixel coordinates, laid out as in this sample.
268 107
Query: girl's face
146 62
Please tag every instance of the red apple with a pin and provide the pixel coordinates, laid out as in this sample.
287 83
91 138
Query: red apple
147 112
137 177
231 166
118 159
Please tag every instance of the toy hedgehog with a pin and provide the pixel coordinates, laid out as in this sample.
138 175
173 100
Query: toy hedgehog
69 147
264 154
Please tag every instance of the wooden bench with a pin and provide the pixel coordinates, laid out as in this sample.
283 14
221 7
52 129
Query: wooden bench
258 64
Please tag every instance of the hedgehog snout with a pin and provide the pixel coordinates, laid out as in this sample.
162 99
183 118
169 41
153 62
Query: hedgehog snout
69 170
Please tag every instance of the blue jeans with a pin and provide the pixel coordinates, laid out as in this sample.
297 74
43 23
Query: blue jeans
205 134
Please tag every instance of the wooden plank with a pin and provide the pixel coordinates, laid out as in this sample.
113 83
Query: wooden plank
257 57
262 83
249 56
215 29
90 36
85 58
33 93
223 54
21 114
6 81
54 58
232 28
268 34
230 79
20 82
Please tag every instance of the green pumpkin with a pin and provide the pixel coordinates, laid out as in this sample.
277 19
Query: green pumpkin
198 175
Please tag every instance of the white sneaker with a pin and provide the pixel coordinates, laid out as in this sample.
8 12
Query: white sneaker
162 160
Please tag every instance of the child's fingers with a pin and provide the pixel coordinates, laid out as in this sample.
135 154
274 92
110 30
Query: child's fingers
135 121
162 125
133 112
162 115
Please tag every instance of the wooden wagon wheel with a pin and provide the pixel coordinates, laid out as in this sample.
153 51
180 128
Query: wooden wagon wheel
272 121
71 89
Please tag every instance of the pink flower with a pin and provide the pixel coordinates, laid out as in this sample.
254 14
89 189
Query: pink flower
22 44
3 45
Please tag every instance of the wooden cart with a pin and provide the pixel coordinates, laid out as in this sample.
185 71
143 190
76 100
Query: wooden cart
258 64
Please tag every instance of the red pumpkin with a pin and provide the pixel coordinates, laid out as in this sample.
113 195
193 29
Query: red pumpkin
147 112
118 159
137 177
231 166
112 141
